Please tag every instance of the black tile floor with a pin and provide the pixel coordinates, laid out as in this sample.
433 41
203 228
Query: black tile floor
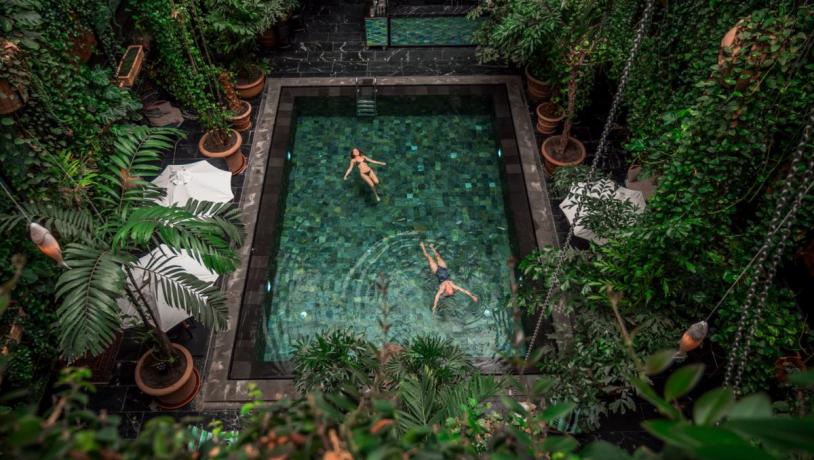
331 43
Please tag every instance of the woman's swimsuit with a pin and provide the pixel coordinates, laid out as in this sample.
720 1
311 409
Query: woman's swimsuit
367 171
442 274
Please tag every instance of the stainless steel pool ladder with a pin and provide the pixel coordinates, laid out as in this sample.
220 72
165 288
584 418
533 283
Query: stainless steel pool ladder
366 97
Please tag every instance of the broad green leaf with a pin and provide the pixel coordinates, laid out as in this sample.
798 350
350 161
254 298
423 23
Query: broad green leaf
559 444
648 393
756 405
713 406
658 362
603 450
542 385
803 379
730 452
683 381
783 433
26 432
558 410
513 405
667 431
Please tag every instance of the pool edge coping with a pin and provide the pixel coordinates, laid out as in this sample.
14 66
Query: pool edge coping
219 391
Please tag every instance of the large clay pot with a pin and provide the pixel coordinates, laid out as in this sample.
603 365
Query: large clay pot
549 116
786 365
235 159
538 90
243 119
553 159
248 88
268 39
10 100
646 186
83 44
178 394
730 50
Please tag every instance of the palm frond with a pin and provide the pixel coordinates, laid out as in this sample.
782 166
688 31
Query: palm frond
447 361
476 389
205 240
419 402
89 315
201 299
72 225
226 216
136 156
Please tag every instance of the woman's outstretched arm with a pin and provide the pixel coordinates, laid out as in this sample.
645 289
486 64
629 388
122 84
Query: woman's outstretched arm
370 160
350 168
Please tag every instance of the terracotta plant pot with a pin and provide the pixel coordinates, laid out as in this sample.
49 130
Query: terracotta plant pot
646 186
574 153
730 50
243 119
177 394
549 116
10 99
235 159
785 364
248 88
268 39
82 45
538 90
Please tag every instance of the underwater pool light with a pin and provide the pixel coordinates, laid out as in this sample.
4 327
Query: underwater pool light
499 153
288 155
268 286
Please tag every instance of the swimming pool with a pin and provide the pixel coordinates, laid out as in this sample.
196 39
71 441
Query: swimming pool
323 247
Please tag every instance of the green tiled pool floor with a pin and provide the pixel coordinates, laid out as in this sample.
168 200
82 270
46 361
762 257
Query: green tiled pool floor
441 184
432 31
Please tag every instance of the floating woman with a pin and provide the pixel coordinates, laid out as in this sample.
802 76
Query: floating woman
445 285
368 175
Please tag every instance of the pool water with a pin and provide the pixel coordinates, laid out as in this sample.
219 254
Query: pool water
441 184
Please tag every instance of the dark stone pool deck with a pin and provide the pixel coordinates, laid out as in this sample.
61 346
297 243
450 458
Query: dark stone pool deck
222 392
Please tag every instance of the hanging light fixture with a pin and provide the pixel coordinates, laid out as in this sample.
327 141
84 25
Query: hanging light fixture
46 243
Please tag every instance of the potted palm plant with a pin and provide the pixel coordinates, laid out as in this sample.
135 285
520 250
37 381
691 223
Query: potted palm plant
104 236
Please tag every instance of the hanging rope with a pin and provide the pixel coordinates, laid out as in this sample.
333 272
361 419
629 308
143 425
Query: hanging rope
600 152
773 246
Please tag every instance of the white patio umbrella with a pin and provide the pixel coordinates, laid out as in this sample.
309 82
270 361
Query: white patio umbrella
199 180
603 188
168 316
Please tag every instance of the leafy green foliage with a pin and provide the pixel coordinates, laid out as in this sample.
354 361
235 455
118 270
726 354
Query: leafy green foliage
445 360
101 243
189 78
230 26
69 105
329 361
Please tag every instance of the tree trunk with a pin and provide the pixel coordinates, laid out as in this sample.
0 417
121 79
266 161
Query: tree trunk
140 302
569 113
